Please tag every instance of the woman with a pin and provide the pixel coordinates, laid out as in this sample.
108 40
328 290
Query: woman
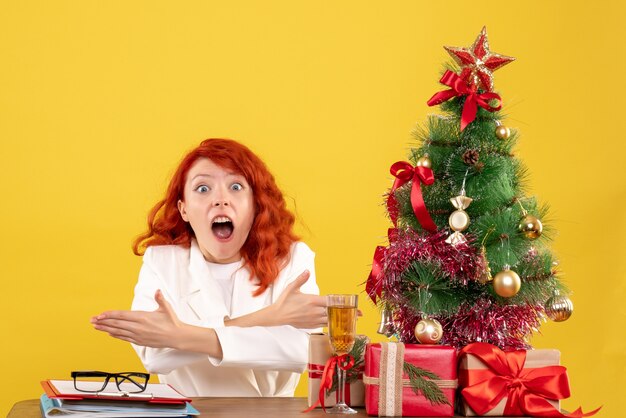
226 293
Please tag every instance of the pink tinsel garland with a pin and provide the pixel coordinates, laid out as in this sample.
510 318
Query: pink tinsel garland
506 326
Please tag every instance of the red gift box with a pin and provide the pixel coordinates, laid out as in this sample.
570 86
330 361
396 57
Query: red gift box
388 388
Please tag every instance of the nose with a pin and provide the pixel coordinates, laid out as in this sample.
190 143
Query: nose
220 202
221 198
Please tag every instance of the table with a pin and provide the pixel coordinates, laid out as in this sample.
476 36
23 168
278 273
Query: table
218 407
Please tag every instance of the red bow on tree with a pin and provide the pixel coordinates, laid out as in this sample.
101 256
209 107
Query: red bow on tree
459 87
374 283
405 172
527 390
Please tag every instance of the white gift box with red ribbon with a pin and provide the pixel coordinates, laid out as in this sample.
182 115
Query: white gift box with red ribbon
320 351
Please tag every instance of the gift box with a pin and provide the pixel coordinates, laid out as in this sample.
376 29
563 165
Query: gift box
410 380
498 383
320 351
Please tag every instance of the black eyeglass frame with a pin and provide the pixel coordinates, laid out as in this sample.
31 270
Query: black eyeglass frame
118 378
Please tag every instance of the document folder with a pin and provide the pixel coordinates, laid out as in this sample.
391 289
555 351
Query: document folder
158 393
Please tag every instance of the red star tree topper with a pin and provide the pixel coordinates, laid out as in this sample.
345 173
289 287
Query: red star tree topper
477 62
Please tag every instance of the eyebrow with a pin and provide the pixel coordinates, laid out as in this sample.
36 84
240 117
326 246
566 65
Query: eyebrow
211 176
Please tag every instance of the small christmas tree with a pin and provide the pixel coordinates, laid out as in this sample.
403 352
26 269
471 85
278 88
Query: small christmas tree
467 258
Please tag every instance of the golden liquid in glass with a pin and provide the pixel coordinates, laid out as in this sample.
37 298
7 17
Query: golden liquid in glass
342 328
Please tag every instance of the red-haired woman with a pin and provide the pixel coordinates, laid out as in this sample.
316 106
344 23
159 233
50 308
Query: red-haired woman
226 293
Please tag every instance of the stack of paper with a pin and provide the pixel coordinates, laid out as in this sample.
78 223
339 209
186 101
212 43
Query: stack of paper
158 400
112 409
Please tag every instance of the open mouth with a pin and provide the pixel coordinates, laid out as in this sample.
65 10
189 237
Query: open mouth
222 227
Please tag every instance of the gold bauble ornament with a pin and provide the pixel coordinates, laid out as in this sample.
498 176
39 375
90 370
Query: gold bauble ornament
428 331
424 162
506 283
530 226
559 308
502 132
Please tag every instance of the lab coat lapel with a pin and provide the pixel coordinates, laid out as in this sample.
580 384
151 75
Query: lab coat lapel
203 297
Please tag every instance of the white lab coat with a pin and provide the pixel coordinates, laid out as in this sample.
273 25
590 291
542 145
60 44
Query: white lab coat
257 361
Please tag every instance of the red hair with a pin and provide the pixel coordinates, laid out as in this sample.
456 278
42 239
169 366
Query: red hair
266 249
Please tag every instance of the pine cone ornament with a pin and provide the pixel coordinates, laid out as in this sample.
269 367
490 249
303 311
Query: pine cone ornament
470 157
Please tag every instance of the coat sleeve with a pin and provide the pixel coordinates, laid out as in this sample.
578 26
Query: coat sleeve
157 360
282 348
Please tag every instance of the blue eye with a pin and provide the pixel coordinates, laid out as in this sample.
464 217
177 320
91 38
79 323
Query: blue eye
236 187
202 188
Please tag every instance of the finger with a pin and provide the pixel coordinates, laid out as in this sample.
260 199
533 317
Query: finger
116 324
124 315
359 313
160 300
113 330
96 317
315 300
124 337
110 316
319 301
298 282
320 319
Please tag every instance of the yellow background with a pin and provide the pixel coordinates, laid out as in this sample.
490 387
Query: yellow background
99 101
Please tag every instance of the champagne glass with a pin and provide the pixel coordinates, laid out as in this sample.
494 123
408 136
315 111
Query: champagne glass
342 330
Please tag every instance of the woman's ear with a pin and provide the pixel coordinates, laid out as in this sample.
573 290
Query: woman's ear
183 210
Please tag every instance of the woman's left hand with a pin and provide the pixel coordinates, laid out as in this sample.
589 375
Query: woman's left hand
151 329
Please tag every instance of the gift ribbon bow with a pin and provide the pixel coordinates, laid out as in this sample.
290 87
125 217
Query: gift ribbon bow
344 362
527 390
316 370
405 172
458 87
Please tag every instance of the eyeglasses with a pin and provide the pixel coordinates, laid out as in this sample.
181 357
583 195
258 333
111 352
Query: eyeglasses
95 381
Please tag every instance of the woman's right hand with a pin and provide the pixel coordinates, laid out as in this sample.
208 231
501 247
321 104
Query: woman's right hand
300 310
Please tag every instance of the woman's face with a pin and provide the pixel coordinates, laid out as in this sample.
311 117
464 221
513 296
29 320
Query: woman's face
219 206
